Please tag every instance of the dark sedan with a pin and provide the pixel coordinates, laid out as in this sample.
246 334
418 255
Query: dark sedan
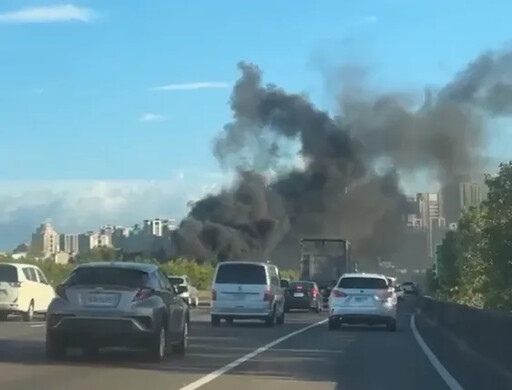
303 295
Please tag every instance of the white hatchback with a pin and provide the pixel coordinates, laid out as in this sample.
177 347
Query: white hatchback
361 298
23 289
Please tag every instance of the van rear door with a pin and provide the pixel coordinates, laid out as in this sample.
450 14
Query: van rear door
240 282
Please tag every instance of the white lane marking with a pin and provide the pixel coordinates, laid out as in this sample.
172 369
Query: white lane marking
228 367
37 326
443 372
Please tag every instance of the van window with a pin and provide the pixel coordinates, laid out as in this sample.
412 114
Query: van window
241 274
8 273
363 283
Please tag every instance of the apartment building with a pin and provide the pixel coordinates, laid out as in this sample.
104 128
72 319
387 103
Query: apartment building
45 241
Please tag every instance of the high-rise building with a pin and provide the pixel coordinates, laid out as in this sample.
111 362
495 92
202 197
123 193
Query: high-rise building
68 243
87 241
470 194
430 207
45 241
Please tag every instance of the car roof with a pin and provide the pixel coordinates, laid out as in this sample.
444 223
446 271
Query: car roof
246 262
20 265
363 275
144 267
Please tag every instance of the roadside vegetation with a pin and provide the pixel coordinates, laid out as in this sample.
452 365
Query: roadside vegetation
475 260
200 274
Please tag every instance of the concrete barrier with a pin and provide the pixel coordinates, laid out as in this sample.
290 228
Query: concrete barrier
486 332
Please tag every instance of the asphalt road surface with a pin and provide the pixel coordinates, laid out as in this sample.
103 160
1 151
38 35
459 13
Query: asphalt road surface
355 358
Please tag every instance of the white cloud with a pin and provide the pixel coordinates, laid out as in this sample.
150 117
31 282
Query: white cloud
192 86
152 117
49 14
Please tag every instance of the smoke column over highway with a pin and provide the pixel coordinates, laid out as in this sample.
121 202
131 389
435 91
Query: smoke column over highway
349 183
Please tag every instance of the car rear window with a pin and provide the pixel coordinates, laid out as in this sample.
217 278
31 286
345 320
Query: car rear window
303 285
8 273
364 283
108 276
175 280
241 274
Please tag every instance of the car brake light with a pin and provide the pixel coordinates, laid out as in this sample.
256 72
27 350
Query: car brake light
267 297
386 294
214 295
15 284
60 290
143 293
338 294
315 292
299 287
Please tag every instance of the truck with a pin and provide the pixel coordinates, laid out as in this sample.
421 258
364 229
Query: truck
323 261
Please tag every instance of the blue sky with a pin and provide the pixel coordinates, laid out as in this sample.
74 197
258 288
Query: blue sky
77 79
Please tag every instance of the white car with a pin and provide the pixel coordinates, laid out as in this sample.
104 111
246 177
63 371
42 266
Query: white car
360 298
23 290
185 289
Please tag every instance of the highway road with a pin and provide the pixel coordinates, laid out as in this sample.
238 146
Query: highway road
356 358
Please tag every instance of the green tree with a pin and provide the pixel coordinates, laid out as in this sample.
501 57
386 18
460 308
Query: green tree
498 234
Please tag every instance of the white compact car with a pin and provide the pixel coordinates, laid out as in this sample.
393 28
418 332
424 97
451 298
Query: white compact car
24 290
361 298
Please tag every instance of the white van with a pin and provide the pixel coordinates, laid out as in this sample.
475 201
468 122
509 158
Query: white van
247 290
23 289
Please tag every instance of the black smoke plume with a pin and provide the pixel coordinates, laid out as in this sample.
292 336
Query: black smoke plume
349 184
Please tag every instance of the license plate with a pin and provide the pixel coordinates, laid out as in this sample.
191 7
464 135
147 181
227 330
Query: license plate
105 300
298 295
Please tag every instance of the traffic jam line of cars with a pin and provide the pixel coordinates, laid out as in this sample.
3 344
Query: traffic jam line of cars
135 305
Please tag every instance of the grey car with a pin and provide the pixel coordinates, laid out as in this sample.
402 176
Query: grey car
116 304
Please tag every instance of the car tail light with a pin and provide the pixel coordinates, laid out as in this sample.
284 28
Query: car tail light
15 284
299 287
385 294
315 292
143 293
214 295
267 297
338 294
60 290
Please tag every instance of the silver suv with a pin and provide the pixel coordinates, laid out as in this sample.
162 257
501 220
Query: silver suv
117 304
247 290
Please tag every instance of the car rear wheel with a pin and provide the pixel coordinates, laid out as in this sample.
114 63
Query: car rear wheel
91 352
29 314
229 320
158 345
181 348
55 346
391 325
3 316
215 320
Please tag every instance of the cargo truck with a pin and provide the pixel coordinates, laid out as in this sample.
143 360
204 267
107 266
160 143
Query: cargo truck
324 260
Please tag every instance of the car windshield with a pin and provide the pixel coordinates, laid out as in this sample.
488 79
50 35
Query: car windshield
302 285
8 273
241 274
108 276
176 280
363 283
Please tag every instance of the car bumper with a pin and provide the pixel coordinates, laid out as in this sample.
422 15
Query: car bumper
83 331
245 310
299 303
363 314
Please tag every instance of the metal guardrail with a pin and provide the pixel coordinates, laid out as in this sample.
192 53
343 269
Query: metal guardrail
486 332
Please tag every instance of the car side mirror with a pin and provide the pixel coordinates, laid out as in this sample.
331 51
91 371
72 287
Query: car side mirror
284 284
